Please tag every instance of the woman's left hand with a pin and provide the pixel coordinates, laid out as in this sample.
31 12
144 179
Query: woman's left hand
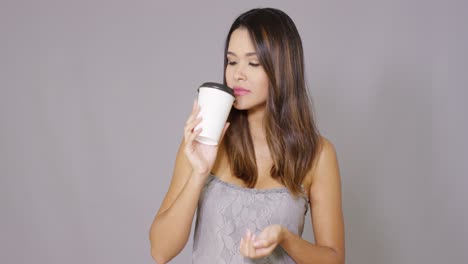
260 246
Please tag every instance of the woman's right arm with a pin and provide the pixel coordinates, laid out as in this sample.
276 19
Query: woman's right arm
170 229
171 226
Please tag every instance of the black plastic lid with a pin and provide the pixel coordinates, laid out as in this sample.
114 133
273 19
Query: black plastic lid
218 86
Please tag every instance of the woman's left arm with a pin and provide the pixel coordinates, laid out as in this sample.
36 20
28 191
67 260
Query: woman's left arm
327 220
326 213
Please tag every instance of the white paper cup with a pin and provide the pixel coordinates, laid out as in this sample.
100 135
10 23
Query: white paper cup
215 101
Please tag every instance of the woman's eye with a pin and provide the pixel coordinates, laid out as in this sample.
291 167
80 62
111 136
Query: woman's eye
231 63
254 64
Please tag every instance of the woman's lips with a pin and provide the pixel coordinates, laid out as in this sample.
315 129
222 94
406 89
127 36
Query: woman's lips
240 91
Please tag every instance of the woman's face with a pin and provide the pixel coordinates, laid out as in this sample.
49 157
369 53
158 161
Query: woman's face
244 74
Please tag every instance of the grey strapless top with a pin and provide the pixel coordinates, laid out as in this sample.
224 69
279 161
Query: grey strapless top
226 211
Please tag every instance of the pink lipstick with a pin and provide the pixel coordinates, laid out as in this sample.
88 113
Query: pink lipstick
238 91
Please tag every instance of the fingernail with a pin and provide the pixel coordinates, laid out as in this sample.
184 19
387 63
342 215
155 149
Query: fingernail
253 237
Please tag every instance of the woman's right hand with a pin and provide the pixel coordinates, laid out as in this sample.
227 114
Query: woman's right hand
202 157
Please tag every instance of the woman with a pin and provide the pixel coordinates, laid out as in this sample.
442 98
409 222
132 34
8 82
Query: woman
253 190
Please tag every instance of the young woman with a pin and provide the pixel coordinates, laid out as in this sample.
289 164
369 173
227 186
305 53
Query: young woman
252 192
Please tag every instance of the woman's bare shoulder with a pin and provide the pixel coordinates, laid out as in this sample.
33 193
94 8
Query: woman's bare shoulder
325 151
325 169
326 146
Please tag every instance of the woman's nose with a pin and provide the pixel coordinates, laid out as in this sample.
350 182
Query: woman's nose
239 73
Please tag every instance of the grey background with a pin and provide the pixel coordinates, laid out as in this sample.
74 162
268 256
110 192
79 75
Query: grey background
94 95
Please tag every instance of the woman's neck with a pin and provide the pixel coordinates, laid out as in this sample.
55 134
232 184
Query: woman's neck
257 130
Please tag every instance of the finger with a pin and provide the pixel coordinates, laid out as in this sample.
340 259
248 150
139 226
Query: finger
194 134
195 106
251 246
195 103
247 243
242 247
190 135
191 123
190 128
263 252
261 243
191 114
194 113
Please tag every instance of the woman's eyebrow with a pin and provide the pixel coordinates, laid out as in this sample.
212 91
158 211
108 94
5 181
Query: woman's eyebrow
248 54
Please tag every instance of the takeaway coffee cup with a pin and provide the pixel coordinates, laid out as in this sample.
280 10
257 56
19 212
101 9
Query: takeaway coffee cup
215 101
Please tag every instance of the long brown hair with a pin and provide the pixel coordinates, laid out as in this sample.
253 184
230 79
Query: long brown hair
291 133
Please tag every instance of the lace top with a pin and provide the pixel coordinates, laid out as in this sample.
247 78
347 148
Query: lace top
226 211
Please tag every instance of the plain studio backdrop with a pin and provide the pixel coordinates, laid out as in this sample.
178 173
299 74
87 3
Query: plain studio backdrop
94 96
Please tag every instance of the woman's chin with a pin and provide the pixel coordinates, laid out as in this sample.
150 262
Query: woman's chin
239 106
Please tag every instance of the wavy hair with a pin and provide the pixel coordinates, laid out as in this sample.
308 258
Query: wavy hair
291 133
